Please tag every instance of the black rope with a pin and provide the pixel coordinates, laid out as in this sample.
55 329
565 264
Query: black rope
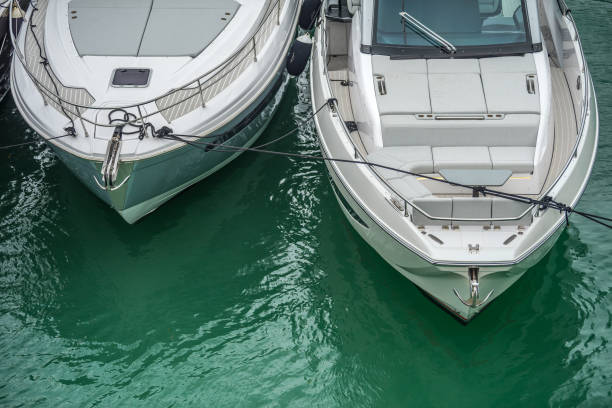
543 203
289 133
278 139
32 142
130 119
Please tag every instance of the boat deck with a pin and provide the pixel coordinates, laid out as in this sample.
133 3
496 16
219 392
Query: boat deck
566 128
565 118
345 106
148 27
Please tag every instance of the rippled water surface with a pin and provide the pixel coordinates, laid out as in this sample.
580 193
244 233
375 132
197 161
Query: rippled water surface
251 289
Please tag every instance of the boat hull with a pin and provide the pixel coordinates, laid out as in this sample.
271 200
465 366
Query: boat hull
438 281
151 182
236 101
364 202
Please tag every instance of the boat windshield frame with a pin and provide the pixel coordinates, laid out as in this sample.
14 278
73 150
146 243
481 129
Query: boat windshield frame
462 51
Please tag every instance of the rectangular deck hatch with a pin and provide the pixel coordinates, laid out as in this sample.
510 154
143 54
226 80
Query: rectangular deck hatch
131 77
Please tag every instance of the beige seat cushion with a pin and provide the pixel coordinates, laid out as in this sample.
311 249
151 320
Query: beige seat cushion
519 159
459 93
470 207
503 208
409 130
408 187
410 158
436 207
461 157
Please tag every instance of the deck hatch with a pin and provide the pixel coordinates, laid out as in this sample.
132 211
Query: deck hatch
131 77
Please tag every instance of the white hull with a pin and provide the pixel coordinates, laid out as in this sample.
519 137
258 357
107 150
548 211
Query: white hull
222 89
435 268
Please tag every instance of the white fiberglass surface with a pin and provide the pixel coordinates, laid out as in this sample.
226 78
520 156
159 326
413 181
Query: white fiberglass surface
147 27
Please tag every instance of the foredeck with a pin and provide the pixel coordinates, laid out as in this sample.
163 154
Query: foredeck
74 81
147 28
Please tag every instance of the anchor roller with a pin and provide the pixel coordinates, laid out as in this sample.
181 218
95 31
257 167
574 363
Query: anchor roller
474 300
110 166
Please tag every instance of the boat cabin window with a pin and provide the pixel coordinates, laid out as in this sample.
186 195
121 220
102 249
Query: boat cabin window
472 27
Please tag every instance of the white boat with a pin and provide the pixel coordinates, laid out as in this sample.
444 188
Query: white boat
489 94
119 76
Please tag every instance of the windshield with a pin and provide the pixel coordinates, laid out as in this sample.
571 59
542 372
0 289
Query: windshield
493 25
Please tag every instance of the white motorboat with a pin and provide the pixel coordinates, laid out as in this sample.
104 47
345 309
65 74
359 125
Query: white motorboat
119 77
462 96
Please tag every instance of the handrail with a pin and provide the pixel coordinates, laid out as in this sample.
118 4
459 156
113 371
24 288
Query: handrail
585 109
249 45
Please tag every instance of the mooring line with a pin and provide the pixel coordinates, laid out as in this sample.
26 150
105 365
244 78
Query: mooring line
33 142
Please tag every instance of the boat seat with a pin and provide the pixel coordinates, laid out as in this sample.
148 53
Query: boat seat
462 157
429 160
436 207
483 103
410 158
472 207
489 7
519 159
421 130
469 207
502 208
408 187
456 207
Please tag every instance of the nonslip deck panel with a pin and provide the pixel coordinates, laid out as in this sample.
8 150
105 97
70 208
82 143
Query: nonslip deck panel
113 28
35 54
151 28
566 129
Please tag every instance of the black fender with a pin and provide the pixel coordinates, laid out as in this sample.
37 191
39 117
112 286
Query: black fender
309 14
299 54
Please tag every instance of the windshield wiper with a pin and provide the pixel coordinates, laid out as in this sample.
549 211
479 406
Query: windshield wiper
428 32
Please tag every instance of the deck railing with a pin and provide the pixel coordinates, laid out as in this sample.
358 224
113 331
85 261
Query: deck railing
171 105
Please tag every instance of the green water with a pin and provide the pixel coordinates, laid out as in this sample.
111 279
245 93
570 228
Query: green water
251 289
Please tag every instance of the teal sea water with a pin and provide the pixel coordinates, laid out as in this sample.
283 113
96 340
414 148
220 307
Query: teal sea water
252 290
